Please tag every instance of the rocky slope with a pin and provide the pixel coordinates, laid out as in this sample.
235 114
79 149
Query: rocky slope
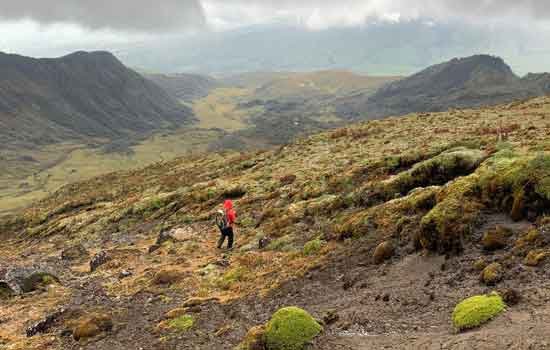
78 97
378 230
460 83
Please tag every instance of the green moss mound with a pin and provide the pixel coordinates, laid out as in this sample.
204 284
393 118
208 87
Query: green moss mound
291 328
182 323
434 171
477 310
517 184
455 214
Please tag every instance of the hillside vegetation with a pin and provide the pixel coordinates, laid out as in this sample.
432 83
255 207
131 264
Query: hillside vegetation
232 114
185 87
75 97
380 228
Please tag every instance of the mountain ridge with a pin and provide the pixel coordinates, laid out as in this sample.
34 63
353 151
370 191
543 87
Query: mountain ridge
474 81
77 96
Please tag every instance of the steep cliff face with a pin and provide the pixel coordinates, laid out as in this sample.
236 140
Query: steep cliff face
78 96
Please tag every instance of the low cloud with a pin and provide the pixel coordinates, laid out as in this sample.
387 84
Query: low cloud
176 15
327 13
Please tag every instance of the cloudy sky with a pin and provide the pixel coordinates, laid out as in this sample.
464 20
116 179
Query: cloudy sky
38 27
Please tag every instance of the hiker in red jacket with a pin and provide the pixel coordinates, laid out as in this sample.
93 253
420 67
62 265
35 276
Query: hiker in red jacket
225 222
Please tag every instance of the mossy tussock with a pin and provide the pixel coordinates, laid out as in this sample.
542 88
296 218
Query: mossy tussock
519 185
313 247
182 323
290 328
435 171
477 310
444 227
442 218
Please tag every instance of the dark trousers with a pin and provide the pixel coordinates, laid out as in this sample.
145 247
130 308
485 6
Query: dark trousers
226 232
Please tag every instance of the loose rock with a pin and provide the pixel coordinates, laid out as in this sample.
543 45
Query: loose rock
535 257
92 325
44 325
496 238
98 260
511 297
383 252
168 277
74 253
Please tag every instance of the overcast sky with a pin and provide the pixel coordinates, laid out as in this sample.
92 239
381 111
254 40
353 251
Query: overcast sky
37 26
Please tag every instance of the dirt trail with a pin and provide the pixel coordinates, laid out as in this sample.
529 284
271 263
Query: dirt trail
403 304
517 330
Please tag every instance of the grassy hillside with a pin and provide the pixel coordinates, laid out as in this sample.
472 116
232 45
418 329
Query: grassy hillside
257 114
78 97
380 228
475 81
34 174
322 83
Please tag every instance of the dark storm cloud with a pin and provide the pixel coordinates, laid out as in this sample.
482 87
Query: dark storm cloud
125 15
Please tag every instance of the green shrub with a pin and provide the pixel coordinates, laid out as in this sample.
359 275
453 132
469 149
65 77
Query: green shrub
477 310
313 247
291 328
233 276
182 323
282 244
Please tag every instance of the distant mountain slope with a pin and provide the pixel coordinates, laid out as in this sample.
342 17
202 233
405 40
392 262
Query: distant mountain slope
322 83
466 82
377 48
78 96
187 87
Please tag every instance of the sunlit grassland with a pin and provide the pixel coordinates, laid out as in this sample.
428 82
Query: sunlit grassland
220 109
70 163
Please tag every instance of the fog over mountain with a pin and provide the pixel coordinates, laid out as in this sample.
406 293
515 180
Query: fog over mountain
225 37
380 48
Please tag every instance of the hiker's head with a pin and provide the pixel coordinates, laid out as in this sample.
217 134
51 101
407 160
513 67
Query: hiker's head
228 204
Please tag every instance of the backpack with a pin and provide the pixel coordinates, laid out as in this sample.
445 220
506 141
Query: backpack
221 220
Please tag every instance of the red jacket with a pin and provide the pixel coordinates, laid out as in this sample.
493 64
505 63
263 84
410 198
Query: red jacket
229 212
